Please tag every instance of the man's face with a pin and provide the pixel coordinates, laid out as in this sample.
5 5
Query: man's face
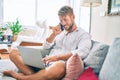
67 21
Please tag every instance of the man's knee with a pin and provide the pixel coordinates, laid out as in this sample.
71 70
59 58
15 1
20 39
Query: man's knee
61 68
13 54
58 70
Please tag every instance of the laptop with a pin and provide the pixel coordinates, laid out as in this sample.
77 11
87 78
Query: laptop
31 56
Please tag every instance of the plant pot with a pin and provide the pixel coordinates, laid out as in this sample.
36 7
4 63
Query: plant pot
14 38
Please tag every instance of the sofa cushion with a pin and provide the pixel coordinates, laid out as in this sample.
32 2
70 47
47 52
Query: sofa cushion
88 74
74 67
111 66
96 56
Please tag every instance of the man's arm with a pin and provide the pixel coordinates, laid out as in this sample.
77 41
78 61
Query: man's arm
51 38
64 57
84 46
56 31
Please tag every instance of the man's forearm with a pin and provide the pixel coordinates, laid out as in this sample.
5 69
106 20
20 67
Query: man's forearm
51 38
64 57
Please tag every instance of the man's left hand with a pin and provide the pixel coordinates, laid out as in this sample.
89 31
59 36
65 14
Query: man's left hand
49 59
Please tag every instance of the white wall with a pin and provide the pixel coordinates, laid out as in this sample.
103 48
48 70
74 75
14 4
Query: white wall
104 28
1 11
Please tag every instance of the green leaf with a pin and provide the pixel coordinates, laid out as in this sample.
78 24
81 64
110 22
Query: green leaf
15 26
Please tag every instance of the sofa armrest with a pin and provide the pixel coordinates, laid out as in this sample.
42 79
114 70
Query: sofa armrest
30 44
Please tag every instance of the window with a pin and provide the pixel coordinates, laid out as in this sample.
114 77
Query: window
81 14
28 11
1 11
24 10
84 18
48 10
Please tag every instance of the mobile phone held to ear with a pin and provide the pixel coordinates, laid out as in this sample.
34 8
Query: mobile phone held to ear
61 26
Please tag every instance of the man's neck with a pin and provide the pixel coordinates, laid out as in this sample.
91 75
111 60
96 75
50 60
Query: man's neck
73 28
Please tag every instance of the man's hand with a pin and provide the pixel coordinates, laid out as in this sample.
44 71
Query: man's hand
49 59
56 30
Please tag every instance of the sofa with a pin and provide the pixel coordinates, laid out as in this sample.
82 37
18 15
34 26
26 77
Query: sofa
103 59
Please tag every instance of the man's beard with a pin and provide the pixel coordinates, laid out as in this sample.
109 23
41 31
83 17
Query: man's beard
70 27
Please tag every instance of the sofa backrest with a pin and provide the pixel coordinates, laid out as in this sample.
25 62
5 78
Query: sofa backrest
111 66
96 56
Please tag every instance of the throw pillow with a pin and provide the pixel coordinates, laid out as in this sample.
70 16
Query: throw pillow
111 66
88 74
74 67
96 56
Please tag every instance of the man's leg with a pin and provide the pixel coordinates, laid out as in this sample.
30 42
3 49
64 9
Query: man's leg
16 58
53 72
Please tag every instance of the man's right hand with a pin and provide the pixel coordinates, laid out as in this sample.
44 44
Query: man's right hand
56 30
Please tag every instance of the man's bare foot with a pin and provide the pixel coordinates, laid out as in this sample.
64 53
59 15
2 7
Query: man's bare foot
11 73
18 76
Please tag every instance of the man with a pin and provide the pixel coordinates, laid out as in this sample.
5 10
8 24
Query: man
63 45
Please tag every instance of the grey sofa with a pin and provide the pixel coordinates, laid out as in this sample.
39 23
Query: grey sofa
104 59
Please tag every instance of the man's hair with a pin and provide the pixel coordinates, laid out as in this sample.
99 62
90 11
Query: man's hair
65 10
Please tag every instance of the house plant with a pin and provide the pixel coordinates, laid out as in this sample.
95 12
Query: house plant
15 27
2 29
1 33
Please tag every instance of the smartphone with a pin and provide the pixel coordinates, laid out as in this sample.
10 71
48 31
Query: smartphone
61 26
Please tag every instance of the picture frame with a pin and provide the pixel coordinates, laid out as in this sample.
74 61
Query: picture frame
113 7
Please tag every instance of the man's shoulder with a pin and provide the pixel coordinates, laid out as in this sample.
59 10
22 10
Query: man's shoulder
81 30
